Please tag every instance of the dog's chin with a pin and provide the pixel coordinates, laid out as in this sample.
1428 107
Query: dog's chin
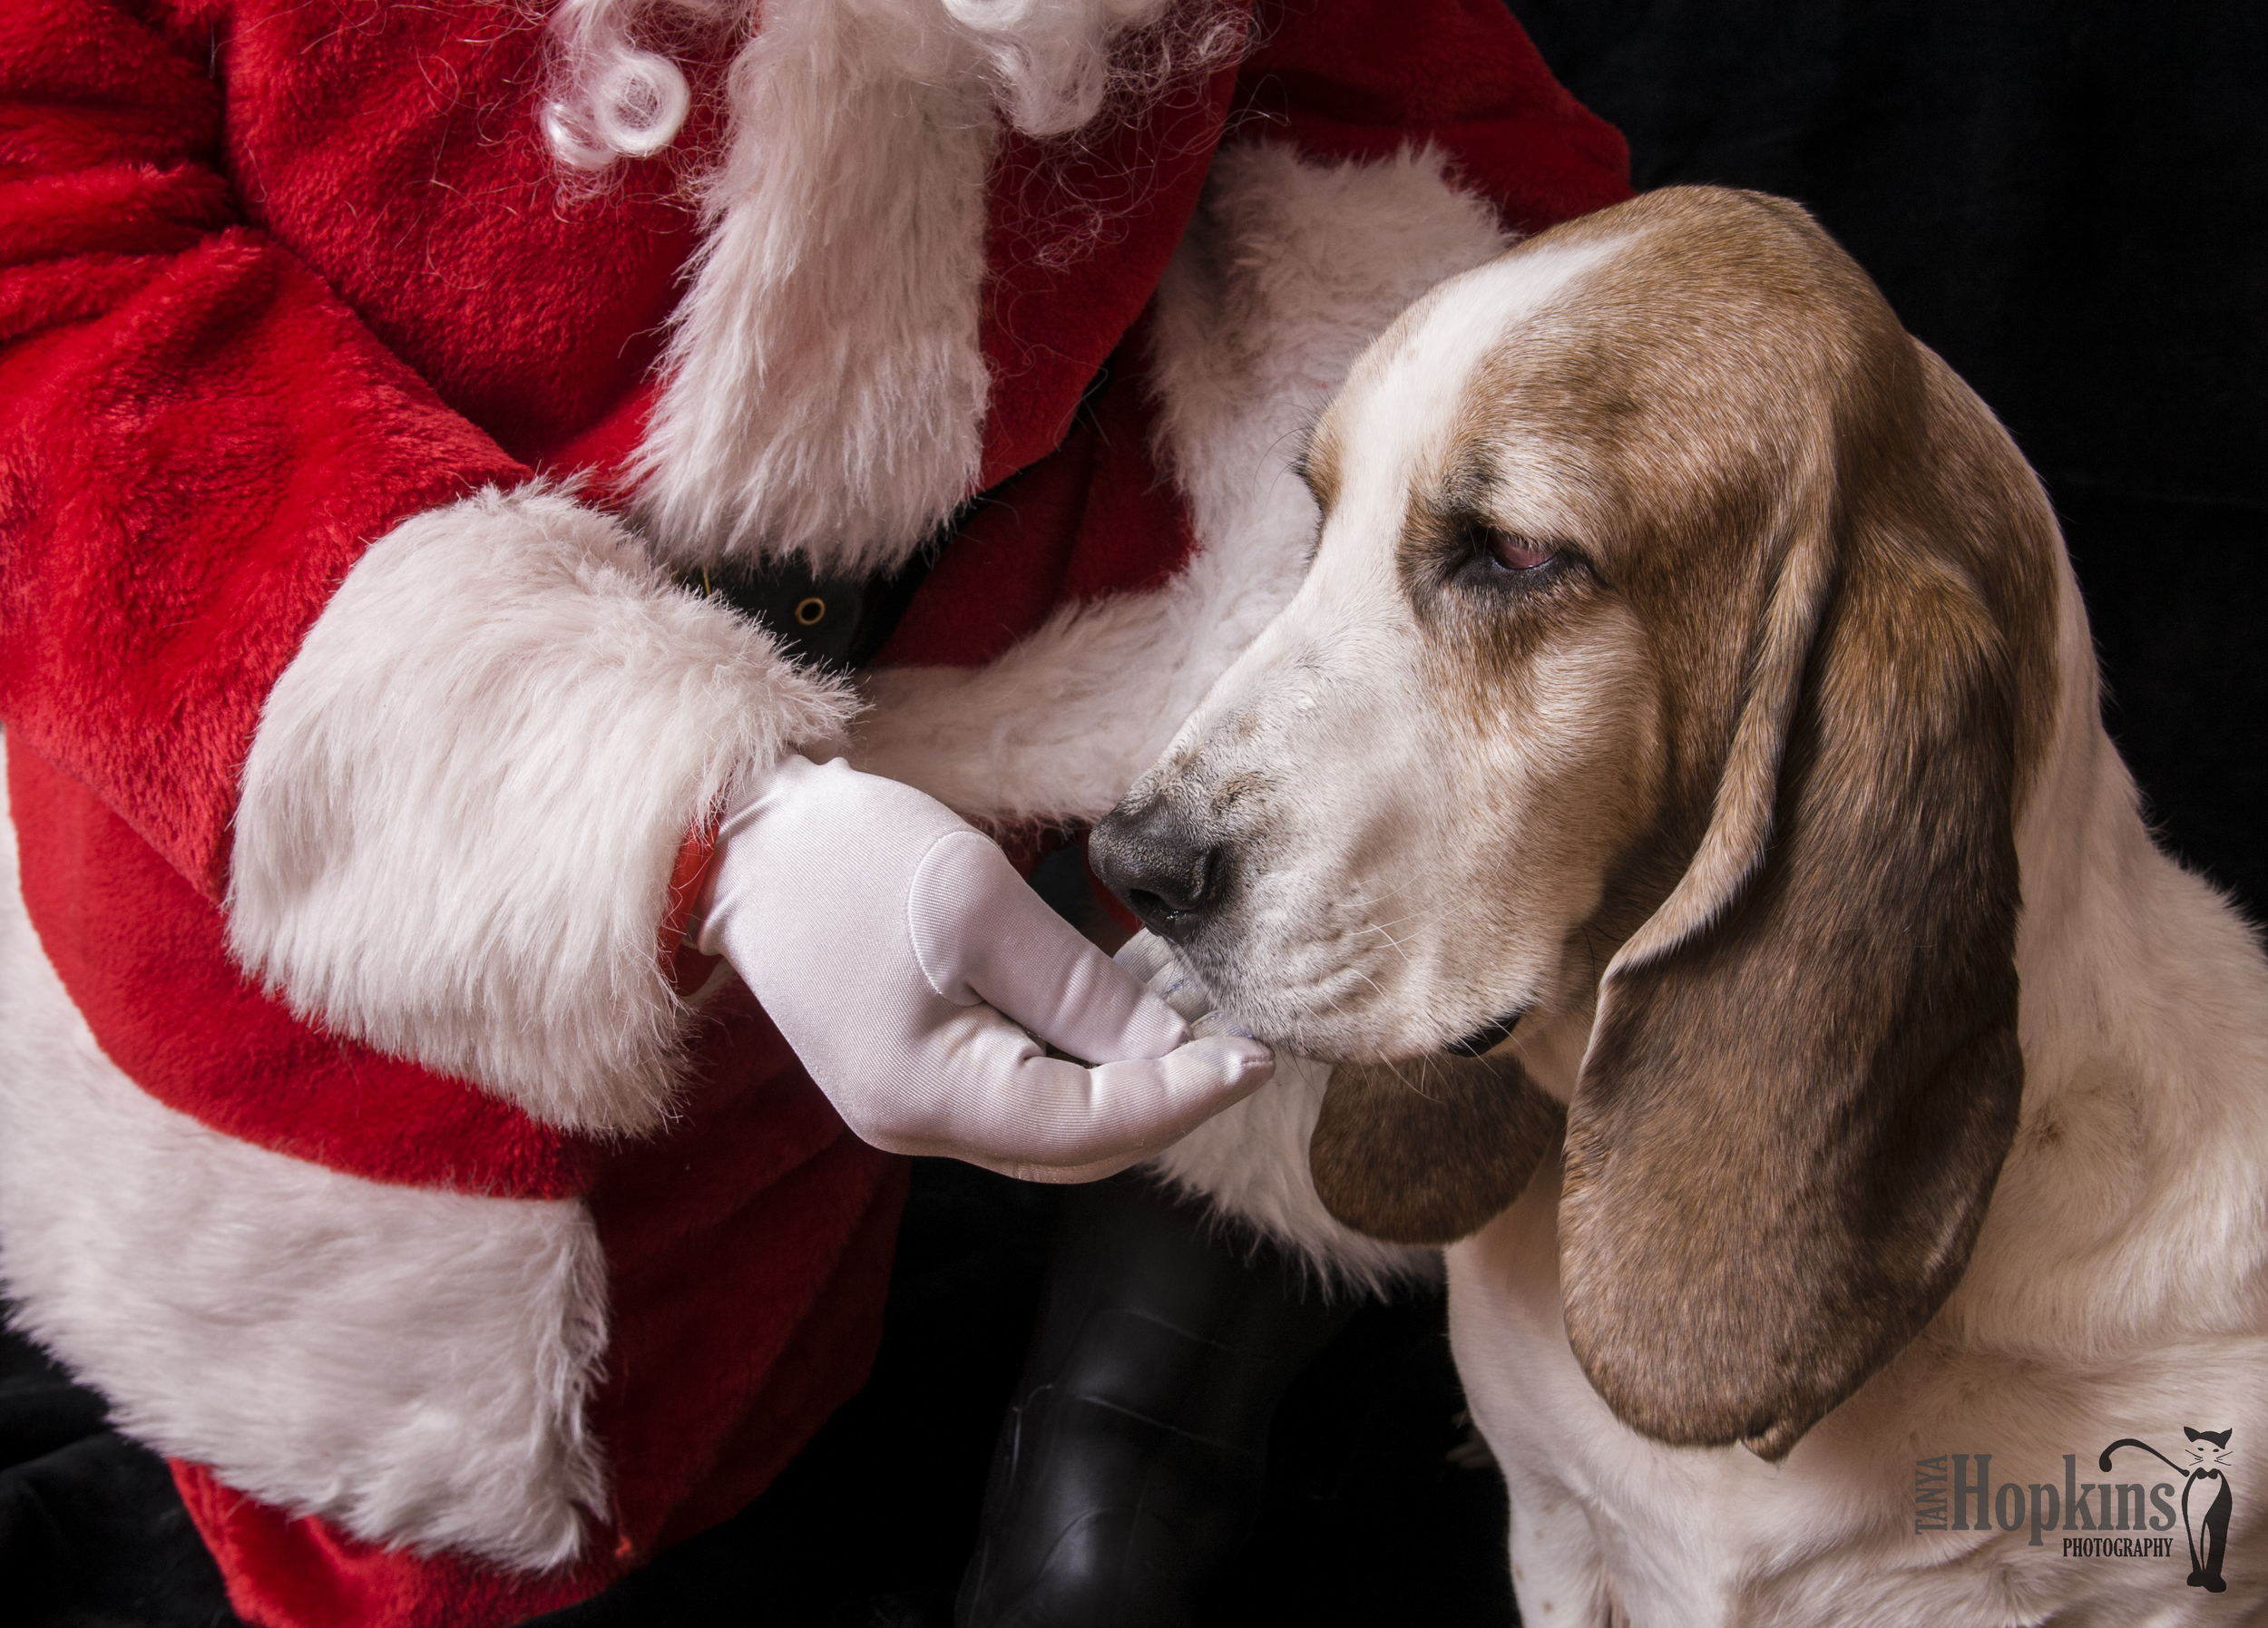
1283 1016
1334 1048
1368 1030
1337 1043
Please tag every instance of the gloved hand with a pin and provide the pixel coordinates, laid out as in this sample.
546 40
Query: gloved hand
893 943
1150 959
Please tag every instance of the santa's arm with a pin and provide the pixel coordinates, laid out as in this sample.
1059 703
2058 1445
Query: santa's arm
434 735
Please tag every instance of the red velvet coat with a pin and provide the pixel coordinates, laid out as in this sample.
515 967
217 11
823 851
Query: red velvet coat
350 769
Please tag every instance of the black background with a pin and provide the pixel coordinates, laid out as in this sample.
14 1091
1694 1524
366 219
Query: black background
2066 200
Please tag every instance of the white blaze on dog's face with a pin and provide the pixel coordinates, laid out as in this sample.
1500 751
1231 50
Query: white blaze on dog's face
1416 779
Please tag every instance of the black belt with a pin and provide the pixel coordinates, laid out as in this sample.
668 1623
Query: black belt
839 623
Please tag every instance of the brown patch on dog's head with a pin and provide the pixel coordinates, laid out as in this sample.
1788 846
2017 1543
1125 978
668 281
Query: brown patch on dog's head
1804 1073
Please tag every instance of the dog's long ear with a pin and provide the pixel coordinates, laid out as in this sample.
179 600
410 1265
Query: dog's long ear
1804 1073
1430 1150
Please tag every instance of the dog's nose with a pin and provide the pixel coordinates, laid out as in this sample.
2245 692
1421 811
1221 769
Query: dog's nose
1165 871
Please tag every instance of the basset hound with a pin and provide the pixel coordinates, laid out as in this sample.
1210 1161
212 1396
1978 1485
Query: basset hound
1677 803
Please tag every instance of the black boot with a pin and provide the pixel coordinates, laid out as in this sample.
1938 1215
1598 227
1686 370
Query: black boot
1130 1465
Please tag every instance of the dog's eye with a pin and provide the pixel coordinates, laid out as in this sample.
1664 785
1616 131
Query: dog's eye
1518 553
1504 567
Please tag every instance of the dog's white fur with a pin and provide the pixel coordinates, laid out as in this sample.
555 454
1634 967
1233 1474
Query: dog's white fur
2120 1286
412 1365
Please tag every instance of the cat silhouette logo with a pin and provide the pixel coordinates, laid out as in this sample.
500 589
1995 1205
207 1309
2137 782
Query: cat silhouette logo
2205 1514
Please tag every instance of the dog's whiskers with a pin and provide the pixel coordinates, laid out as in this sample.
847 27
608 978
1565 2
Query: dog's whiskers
1382 932
1417 1087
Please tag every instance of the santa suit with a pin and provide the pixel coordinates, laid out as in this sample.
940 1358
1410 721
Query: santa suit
357 1136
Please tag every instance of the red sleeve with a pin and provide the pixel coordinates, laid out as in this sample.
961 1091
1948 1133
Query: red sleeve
197 438
1362 78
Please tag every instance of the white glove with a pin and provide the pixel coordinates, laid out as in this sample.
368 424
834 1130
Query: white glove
1150 959
875 925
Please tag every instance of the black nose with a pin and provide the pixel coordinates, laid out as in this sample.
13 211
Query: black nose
1167 873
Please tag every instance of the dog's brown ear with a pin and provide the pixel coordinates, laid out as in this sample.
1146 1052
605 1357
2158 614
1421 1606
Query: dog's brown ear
1804 1072
1430 1150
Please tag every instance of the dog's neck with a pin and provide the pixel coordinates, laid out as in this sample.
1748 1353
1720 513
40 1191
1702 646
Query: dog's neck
2144 1029
1550 1044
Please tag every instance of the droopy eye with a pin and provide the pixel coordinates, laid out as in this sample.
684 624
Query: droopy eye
1518 553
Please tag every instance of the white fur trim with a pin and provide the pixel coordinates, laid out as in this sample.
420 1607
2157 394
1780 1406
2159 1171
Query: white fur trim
826 390
1289 270
462 806
408 1364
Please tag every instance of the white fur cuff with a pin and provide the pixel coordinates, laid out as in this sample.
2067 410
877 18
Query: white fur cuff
462 807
